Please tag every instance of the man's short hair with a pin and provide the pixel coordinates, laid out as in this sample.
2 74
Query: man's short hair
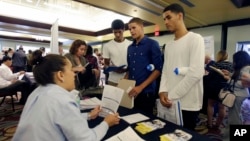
21 48
136 20
117 24
175 8
42 48
96 49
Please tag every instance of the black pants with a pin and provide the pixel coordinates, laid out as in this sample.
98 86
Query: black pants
19 85
17 69
145 102
189 119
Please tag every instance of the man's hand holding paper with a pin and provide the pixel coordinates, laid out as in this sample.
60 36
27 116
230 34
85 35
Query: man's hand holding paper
164 99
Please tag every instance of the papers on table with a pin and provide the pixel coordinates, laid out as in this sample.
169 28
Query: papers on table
89 103
126 85
28 77
111 99
172 114
133 118
127 134
113 68
20 77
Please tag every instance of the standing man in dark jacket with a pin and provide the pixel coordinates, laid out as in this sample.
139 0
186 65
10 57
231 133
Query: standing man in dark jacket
19 60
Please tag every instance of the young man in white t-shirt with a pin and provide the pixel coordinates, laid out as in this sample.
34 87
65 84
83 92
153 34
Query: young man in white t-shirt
186 50
115 52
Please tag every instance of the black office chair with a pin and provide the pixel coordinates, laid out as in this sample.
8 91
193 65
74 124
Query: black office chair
11 94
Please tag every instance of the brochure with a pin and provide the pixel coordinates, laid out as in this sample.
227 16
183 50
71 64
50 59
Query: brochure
177 135
111 99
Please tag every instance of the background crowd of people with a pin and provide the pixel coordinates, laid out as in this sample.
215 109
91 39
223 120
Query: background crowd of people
81 68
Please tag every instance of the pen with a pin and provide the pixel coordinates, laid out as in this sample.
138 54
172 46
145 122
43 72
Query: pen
119 138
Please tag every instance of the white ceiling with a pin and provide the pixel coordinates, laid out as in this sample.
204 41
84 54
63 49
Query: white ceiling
202 14
69 13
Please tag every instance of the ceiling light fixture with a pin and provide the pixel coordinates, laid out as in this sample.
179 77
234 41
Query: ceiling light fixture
76 15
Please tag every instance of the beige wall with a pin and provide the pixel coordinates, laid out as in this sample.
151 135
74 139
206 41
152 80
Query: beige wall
237 34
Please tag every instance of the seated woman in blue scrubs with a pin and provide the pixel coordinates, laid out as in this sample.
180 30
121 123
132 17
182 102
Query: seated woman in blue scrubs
52 113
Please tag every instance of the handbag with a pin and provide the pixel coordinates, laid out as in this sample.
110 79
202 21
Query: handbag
227 95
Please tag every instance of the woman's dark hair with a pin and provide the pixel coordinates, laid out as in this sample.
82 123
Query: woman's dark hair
240 60
75 45
5 53
36 55
89 50
10 49
47 66
6 58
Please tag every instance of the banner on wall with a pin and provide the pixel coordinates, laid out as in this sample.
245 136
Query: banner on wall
209 46
54 38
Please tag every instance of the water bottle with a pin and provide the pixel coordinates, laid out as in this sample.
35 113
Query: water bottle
181 71
150 67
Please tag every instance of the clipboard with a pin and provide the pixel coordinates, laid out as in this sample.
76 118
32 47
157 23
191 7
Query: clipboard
113 68
126 85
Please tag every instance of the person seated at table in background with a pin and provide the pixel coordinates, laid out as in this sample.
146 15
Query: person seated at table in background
9 81
85 75
52 112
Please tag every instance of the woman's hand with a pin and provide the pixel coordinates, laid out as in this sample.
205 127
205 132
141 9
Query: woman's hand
112 119
79 69
95 112
226 75
21 72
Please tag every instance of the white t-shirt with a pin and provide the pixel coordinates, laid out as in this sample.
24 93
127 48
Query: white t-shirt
117 53
189 52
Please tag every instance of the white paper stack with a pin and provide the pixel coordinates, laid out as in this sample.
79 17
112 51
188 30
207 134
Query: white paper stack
133 118
111 99
127 134
89 103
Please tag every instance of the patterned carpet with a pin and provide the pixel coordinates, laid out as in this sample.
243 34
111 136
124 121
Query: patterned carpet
214 135
9 120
